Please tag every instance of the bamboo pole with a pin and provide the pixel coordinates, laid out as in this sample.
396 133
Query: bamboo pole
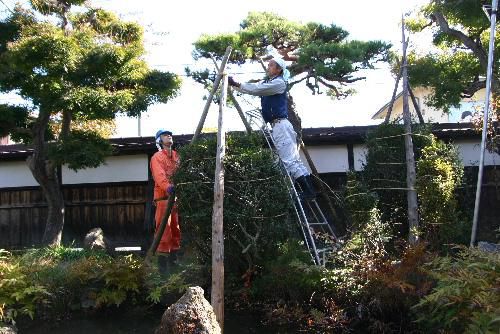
210 97
217 297
410 157
159 233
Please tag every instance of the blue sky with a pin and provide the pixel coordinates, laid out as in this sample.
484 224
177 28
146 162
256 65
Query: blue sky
172 27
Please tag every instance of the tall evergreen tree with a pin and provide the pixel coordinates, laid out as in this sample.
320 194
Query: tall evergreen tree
320 56
71 62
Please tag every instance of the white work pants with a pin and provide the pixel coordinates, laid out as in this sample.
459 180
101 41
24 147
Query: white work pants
285 141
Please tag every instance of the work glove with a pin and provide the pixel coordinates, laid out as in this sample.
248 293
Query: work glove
232 82
170 190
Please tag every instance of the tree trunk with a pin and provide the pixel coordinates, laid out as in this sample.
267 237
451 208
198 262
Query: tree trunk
45 173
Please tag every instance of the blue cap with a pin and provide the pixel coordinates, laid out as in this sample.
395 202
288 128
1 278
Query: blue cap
162 132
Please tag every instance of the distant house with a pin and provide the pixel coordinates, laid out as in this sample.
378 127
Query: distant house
462 114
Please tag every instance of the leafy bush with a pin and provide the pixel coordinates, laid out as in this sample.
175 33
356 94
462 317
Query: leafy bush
256 203
291 276
439 174
385 171
466 298
54 281
363 252
18 294
392 288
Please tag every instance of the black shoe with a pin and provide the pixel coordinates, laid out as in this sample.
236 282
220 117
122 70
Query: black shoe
306 187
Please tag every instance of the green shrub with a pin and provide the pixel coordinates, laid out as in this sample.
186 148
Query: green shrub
256 203
291 276
384 172
363 252
466 298
18 294
439 174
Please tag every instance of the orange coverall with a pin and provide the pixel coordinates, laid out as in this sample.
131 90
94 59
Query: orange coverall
163 167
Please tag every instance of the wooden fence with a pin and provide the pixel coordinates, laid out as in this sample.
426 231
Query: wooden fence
122 210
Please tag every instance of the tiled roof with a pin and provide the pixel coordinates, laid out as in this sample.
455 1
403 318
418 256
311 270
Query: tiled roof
311 136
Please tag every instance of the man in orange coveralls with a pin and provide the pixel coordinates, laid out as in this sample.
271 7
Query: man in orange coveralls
163 165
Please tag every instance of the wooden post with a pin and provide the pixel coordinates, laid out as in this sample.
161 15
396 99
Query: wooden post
415 105
319 183
210 97
161 228
393 98
410 157
236 104
217 298
240 111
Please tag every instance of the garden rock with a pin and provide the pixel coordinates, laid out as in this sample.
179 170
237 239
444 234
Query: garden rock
7 329
96 240
192 313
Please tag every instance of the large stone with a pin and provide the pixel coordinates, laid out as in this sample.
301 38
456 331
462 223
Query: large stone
95 239
192 313
7 329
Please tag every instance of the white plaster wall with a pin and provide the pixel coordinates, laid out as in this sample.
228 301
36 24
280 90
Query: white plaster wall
116 169
359 156
469 151
328 159
16 174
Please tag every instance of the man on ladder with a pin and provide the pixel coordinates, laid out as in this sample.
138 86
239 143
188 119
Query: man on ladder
274 103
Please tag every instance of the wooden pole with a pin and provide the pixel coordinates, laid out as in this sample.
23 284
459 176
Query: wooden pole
410 157
161 229
210 97
320 185
240 111
236 104
415 105
217 298
393 98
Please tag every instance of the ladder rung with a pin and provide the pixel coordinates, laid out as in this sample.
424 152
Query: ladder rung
323 223
323 250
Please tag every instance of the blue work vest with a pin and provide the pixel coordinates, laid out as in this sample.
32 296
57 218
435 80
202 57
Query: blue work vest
274 106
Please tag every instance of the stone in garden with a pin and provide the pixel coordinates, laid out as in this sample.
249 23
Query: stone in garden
96 240
8 329
192 313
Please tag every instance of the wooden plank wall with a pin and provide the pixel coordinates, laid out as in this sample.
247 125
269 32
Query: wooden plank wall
118 208
125 213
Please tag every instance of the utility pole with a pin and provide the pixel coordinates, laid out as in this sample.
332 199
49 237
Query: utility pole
489 73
